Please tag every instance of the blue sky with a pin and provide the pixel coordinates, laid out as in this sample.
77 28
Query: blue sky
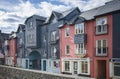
14 12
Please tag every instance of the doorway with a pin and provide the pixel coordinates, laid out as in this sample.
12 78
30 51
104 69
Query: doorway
75 67
101 69
44 65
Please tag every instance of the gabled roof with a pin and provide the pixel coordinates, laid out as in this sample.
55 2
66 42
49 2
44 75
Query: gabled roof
61 15
67 12
54 13
21 27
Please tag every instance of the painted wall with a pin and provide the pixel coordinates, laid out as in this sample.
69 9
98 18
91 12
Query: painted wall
13 50
108 37
70 41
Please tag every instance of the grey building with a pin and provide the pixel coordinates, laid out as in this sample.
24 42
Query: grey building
32 41
50 38
21 61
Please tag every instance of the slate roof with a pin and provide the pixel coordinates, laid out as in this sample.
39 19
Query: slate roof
109 7
21 26
36 17
60 15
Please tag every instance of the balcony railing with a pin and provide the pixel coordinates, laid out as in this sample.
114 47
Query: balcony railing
101 29
80 38
102 51
53 41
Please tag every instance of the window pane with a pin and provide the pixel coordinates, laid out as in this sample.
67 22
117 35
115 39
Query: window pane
67 31
67 68
67 49
104 43
104 28
99 43
99 28
99 50
104 50
84 67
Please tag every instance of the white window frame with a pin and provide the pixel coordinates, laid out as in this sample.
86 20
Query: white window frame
53 51
67 49
68 66
66 32
101 54
78 50
99 23
78 28
53 36
84 66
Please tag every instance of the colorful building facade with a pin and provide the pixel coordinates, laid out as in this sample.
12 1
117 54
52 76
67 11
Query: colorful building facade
12 53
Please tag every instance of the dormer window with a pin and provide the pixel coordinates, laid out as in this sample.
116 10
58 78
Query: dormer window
101 25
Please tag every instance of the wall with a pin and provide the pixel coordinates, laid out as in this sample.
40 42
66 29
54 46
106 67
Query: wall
19 73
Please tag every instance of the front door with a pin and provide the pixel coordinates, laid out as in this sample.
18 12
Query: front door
101 67
26 63
44 65
75 67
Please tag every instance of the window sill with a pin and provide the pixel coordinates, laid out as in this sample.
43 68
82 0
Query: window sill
101 55
81 55
101 33
67 54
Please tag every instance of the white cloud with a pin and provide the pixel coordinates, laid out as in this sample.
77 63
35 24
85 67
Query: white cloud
84 4
21 10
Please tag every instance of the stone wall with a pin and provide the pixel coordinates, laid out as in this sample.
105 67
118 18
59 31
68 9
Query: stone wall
19 73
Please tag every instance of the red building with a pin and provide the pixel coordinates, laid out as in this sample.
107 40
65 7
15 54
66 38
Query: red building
11 59
86 44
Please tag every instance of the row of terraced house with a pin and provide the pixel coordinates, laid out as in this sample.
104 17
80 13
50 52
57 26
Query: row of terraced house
74 42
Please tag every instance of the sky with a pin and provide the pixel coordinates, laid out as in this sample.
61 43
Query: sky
15 12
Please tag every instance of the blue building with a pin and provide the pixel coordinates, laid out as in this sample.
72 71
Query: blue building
21 46
32 41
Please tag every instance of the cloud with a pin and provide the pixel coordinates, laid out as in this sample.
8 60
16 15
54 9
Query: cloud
14 12
84 4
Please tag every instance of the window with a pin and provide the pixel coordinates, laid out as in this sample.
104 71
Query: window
80 48
67 32
30 38
101 25
67 66
20 41
84 67
79 28
53 51
53 36
54 64
31 24
67 49
101 47
44 38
